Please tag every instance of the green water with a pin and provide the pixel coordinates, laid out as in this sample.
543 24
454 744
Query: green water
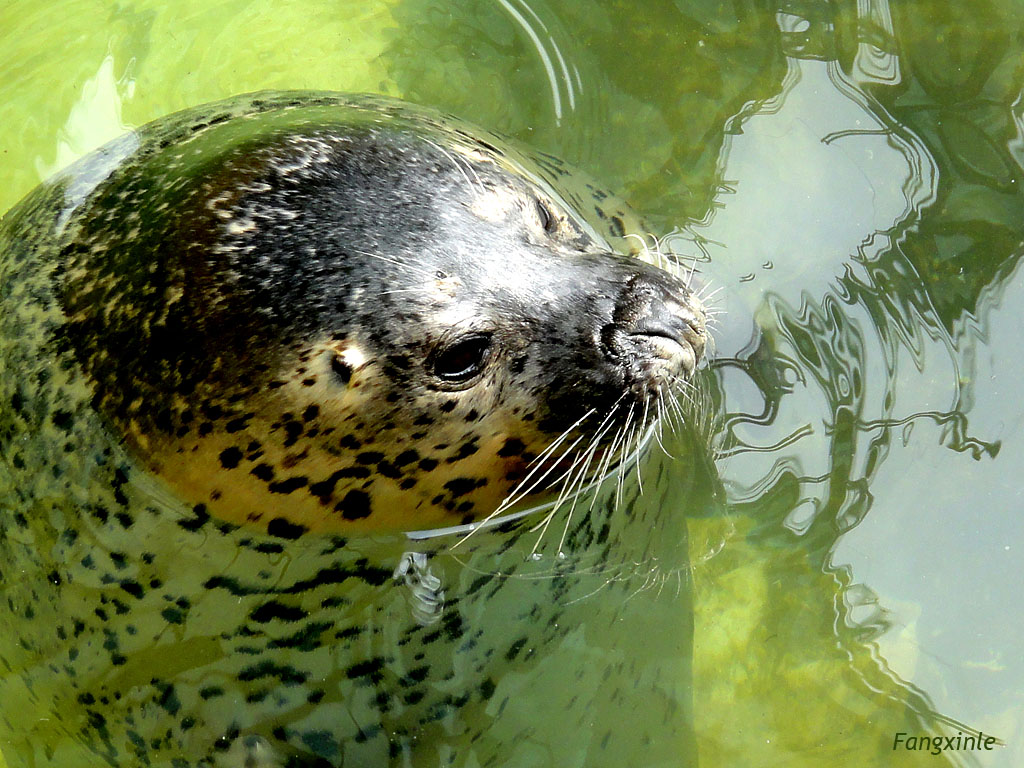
848 176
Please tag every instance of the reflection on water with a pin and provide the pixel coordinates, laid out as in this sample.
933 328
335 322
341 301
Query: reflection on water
818 187
853 175
841 381
94 120
558 76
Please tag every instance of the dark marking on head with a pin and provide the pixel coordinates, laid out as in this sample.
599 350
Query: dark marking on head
513 447
288 485
460 486
355 505
264 472
230 457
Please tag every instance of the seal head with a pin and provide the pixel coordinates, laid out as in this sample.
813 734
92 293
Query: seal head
332 322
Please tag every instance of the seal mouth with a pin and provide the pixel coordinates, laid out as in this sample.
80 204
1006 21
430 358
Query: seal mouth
679 351
658 333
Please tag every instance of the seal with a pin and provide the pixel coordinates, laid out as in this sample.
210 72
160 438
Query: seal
328 319
234 341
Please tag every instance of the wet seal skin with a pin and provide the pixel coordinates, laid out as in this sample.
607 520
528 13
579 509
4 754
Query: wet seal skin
296 317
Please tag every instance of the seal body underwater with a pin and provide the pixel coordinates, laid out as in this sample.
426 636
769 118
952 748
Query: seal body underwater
243 347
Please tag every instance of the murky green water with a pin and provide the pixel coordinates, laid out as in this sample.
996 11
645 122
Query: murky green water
849 176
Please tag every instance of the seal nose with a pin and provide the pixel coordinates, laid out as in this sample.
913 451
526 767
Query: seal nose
658 328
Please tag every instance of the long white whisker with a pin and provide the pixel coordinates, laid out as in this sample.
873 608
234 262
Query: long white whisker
589 450
640 434
469 184
518 492
405 265
627 431
574 486
711 295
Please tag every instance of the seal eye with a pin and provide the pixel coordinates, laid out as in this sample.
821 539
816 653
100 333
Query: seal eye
548 220
461 361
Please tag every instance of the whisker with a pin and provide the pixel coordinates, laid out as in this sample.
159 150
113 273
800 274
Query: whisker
660 419
537 463
581 476
469 184
625 451
412 268
711 295
570 483
636 463
519 492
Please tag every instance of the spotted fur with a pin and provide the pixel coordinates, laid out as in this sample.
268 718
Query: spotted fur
205 399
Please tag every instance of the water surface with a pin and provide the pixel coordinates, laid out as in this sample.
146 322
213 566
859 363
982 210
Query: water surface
848 176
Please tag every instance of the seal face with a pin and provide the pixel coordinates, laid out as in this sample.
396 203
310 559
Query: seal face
340 320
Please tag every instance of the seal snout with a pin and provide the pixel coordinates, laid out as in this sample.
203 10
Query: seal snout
658 331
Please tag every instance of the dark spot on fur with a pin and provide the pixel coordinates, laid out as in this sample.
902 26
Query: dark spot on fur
350 442
263 471
285 530
173 615
406 457
273 610
237 425
286 674
325 488
465 450
288 485
355 505
201 518
371 668
513 447
230 457
515 648
460 486
62 420
293 431
311 413
387 469
448 406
